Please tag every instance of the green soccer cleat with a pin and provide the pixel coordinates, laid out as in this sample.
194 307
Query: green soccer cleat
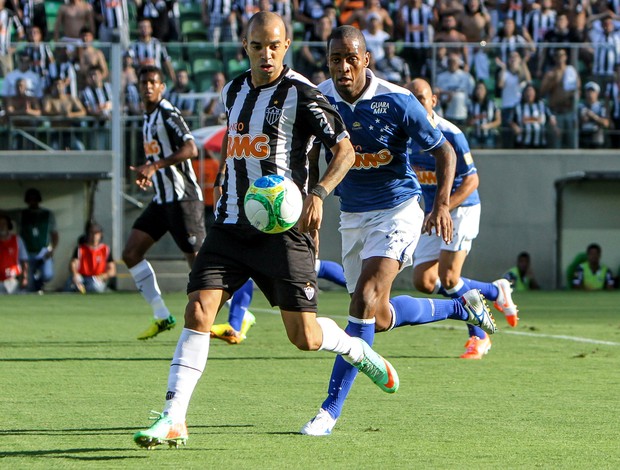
163 431
380 371
158 326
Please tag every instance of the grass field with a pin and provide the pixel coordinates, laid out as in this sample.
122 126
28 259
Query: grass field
75 386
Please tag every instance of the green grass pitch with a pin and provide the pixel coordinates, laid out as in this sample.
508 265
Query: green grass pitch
75 386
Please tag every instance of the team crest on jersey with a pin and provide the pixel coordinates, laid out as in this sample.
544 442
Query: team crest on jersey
309 291
272 115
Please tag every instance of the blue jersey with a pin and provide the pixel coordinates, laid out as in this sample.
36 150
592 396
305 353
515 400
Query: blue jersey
424 164
380 123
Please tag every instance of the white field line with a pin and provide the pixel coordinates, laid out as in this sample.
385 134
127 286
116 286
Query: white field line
577 339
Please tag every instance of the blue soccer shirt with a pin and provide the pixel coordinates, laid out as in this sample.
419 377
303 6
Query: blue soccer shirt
380 123
424 164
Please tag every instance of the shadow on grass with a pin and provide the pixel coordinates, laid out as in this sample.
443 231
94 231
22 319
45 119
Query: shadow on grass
211 359
71 454
104 431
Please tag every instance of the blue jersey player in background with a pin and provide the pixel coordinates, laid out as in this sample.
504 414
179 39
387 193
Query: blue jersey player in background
437 265
381 220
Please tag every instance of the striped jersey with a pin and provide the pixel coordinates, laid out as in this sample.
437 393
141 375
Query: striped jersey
532 119
270 131
164 131
381 122
153 49
424 164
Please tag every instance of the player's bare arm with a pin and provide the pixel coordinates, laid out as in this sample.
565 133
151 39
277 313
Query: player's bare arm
146 171
468 186
342 161
439 219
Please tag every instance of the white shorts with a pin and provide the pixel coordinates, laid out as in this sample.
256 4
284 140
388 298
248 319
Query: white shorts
392 233
466 222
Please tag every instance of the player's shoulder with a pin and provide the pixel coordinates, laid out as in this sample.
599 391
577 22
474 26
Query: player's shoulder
387 89
447 127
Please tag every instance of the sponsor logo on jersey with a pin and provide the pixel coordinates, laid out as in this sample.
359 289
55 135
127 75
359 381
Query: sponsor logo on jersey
248 146
320 115
151 148
272 115
468 158
173 125
357 126
380 107
425 177
364 161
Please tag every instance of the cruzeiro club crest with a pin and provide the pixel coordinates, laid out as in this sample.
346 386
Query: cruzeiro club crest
272 115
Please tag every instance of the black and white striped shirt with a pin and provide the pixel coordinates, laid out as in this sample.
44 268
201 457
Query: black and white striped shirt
270 131
114 12
415 18
219 10
613 97
164 131
538 23
606 53
481 114
532 119
96 97
9 22
153 49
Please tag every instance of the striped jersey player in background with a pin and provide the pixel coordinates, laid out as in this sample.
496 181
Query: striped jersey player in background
273 116
437 266
177 204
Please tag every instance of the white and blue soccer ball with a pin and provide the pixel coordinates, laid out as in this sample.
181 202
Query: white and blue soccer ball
273 204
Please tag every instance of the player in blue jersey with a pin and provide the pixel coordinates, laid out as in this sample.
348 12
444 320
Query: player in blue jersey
437 265
380 219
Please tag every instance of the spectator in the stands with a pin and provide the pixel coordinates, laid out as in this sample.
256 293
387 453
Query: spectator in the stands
593 118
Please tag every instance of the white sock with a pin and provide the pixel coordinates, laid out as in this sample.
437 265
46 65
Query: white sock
455 289
146 282
336 340
188 364
437 286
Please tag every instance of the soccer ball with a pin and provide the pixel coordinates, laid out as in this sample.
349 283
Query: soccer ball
273 204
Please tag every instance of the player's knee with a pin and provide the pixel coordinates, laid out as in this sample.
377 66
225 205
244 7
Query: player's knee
196 317
424 285
130 257
364 303
449 280
304 341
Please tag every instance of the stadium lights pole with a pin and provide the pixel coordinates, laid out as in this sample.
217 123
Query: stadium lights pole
117 151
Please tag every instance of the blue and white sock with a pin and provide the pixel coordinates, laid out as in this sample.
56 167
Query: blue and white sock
343 373
331 271
488 289
239 304
407 310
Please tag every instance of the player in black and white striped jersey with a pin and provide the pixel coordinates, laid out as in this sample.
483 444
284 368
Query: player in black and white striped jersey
177 205
274 115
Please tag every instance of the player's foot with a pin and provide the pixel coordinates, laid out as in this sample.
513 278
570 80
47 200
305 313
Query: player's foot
478 311
380 371
227 333
476 347
248 321
504 302
158 326
162 431
321 425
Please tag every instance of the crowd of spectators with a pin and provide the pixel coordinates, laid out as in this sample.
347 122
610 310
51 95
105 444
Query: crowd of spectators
519 73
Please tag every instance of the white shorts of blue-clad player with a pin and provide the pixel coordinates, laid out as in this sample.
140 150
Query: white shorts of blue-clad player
391 233
466 222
